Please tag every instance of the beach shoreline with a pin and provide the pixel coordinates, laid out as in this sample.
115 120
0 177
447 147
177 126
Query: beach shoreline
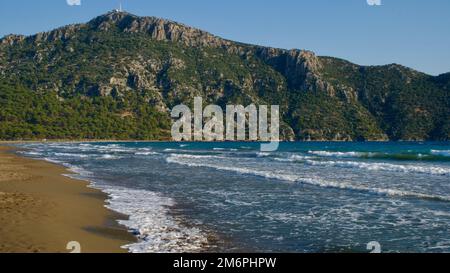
41 210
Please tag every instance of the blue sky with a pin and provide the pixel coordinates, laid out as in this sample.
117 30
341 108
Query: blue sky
414 33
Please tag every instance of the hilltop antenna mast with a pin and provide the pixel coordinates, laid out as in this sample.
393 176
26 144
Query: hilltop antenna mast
120 8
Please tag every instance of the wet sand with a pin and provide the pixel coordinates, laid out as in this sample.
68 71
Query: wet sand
42 211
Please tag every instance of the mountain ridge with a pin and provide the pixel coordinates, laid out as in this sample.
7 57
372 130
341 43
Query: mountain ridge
322 98
12 38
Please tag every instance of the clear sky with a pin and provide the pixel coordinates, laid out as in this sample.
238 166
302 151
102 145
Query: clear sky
415 33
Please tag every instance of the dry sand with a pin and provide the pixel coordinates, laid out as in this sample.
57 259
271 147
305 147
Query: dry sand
41 210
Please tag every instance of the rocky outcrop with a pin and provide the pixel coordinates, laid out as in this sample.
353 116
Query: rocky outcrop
159 29
300 67
11 39
60 34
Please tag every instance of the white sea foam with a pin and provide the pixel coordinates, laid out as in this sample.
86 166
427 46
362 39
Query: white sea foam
150 219
111 148
160 231
441 152
110 157
188 156
339 154
432 170
293 158
145 149
116 150
30 153
283 175
146 153
53 160
71 155
78 170
185 160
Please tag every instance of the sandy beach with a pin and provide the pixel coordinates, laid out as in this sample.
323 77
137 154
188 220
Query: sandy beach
41 210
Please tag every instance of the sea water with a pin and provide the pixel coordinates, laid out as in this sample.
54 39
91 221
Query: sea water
306 197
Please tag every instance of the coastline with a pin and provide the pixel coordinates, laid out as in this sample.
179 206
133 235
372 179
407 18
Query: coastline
41 210
192 141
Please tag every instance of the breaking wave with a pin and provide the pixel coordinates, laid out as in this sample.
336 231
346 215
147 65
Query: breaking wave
432 170
151 222
434 155
282 175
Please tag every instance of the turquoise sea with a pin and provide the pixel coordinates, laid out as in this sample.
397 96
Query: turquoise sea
306 197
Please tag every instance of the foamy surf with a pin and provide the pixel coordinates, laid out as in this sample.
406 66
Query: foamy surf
109 157
273 201
433 155
150 220
340 154
289 177
292 158
146 153
373 166
441 152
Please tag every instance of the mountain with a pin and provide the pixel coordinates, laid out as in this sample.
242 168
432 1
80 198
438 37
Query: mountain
118 76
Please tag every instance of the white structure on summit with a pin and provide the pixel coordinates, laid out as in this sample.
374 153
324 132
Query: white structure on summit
120 8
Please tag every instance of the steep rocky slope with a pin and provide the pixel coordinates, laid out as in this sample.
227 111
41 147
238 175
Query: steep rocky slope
119 75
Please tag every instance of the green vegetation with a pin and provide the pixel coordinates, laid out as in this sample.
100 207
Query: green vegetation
100 81
28 115
407 104
320 117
